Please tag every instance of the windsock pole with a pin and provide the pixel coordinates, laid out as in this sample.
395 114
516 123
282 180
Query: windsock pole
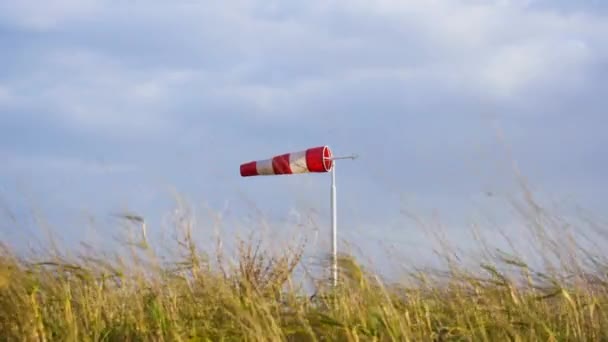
334 220
334 227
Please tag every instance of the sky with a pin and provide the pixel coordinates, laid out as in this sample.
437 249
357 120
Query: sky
113 105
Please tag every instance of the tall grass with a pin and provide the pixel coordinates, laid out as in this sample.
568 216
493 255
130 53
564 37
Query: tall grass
201 296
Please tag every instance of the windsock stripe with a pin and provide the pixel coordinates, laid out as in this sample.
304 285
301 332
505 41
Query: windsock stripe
264 167
249 169
297 161
280 165
317 159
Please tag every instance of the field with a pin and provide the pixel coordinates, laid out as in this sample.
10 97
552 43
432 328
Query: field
137 295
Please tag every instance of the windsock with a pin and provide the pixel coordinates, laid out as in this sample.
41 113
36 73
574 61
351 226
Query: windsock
317 159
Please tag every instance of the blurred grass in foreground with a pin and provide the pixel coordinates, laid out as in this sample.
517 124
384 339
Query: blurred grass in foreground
138 296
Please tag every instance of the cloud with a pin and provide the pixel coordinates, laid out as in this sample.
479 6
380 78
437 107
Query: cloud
18 163
270 59
28 14
6 96
520 67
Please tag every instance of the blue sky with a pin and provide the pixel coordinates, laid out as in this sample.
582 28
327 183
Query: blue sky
108 105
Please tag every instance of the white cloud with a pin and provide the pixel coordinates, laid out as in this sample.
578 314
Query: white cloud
6 96
20 164
94 91
515 68
498 47
32 14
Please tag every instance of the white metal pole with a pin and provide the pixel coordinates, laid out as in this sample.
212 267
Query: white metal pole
334 219
334 227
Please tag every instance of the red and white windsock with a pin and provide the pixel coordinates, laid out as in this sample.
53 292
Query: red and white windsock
317 159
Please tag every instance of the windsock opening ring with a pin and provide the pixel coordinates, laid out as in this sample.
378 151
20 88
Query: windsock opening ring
313 160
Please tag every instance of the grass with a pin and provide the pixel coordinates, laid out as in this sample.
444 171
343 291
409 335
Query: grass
140 296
